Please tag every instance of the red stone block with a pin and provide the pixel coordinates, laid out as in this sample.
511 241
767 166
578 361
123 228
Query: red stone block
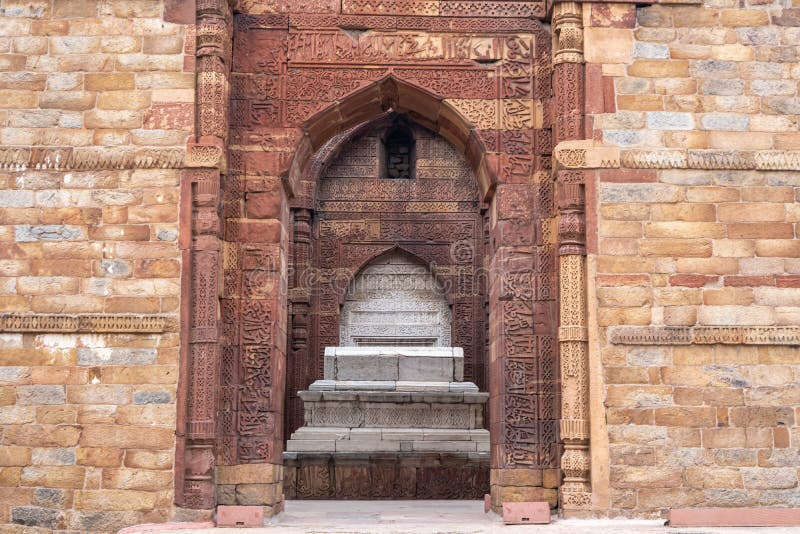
691 280
609 95
180 11
487 503
749 281
594 95
628 176
526 513
788 281
734 517
240 516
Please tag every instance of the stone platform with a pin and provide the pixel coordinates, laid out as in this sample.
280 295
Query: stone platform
390 422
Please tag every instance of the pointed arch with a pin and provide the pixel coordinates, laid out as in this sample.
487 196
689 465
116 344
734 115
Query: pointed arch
374 101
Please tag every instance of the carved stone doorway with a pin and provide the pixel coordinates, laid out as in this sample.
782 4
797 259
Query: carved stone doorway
357 215
483 85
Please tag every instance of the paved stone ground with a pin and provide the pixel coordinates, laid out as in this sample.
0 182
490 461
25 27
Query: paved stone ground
442 517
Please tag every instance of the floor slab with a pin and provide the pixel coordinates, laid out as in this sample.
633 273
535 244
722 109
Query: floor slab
443 517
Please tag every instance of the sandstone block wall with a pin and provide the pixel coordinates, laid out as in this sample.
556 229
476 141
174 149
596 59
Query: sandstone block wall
705 424
96 98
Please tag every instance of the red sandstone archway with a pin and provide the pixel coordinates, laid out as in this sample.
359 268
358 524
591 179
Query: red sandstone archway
495 110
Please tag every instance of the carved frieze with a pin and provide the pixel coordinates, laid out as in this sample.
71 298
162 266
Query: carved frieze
17 322
89 158
704 335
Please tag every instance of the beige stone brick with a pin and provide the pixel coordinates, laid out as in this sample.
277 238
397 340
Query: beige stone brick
113 119
625 212
53 476
712 194
75 9
788 248
630 416
638 396
127 437
772 230
140 374
744 17
777 355
645 477
640 102
66 304
31 45
690 139
109 81
728 296
732 52
623 316
150 414
108 500
123 100
684 248
735 354
695 17
620 229
723 396
751 212
144 459
15 456
35 357
269 473
627 375
713 477
608 45
136 479
708 266
723 438
654 68
685 416
734 315
683 437
17 99
162 44
69 100
120 44
619 246
684 212
56 415
737 141
684 229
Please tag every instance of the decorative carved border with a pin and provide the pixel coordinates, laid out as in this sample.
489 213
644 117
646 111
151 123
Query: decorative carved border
763 160
568 85
143 324
586 155
704 335
90 158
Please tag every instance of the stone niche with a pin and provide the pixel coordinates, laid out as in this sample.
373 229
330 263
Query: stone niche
393 408
395 301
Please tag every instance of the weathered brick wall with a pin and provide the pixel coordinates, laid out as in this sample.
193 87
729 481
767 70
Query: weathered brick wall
95 98
711 424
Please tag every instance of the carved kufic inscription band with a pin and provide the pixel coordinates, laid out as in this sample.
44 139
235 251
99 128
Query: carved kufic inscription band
584 155
89 158
83 323
704 335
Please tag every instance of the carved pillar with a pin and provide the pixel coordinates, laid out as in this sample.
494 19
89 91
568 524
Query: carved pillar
201 245
300 299
568 79
572 336
202 356
568 71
